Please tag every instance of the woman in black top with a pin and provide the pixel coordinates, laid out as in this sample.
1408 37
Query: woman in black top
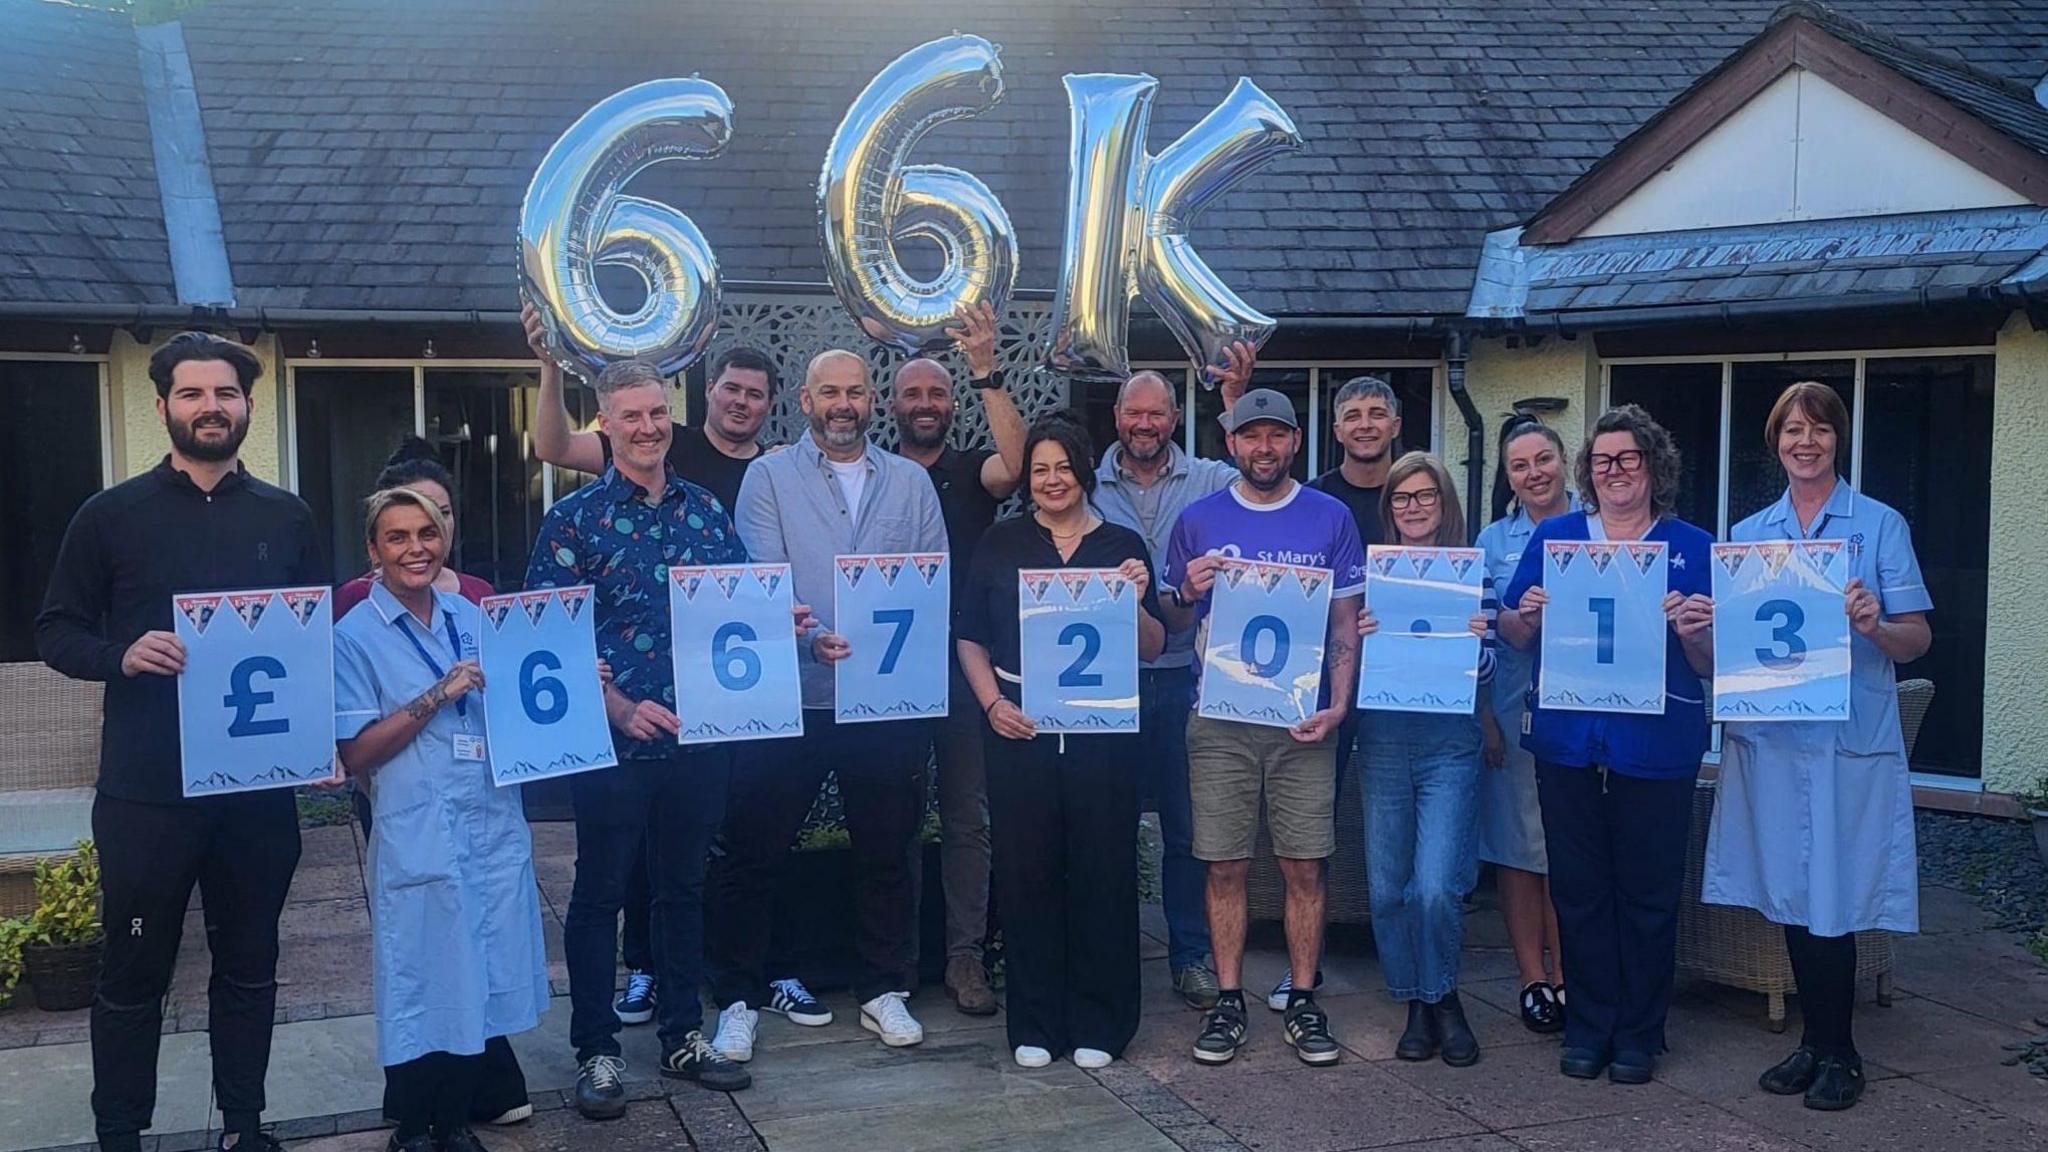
1063 810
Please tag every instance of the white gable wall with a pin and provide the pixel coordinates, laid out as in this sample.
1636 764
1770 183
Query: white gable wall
1802 149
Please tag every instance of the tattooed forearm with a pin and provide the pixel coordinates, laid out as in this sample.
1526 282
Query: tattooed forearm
425 704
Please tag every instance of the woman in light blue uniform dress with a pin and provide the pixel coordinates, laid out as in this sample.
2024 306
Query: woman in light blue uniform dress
456 949
1532 468
1814 824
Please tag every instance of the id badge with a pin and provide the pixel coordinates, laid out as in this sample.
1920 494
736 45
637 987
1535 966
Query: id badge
469 746
1525 723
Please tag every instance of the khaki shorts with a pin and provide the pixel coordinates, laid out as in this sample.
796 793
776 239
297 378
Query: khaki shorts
1231 763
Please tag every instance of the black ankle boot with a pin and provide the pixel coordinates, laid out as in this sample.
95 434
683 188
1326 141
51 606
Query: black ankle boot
1461 1048
1420 1039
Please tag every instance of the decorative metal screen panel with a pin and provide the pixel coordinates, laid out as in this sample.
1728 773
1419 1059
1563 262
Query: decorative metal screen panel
792 329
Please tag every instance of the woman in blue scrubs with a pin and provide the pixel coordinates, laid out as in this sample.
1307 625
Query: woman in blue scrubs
1532 467
457 956
1814 824
1616 789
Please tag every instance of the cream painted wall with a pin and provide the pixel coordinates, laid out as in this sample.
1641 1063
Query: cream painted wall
2016 647
139 437
1498 375
1802 149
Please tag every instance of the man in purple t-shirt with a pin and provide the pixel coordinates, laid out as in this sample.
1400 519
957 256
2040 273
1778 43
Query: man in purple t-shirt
1265 515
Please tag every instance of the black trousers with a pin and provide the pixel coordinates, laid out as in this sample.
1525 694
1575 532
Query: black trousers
240 850
636 942
881 769
1065 837
433 1093
1617 866
1825 967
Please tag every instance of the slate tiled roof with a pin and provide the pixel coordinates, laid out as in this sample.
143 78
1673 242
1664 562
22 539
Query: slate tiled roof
81 220
371 154
1999 101
1838 259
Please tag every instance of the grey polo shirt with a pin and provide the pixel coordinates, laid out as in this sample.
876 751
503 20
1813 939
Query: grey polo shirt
792 510
1152 511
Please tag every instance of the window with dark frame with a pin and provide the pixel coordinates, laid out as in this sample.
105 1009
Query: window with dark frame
50 463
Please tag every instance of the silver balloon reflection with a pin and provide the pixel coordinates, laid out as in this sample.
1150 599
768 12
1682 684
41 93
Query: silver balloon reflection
1128 216
870 201
574 220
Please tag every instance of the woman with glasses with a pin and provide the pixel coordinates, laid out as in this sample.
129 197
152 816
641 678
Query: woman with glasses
1814 824
1616 789
1531 470
1421 788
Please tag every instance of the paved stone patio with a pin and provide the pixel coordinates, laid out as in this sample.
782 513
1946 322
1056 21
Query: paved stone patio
1962 992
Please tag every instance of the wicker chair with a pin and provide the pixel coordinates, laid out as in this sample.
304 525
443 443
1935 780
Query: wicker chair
49 758
1348 901
1737 946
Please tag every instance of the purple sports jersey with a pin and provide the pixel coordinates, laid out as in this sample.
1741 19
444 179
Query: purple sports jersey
1308 528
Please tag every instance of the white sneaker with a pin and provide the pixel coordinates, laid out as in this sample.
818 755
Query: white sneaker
889 1017
736 1026
1092 1058
1029 1057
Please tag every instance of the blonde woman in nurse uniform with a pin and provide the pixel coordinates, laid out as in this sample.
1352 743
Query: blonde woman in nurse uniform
1814 825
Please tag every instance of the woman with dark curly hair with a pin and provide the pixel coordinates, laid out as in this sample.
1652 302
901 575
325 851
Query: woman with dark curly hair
1616 788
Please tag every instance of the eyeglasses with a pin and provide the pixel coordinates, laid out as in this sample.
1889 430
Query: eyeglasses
1628 461
1421 497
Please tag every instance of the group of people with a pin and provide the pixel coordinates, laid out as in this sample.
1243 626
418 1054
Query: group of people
1583 814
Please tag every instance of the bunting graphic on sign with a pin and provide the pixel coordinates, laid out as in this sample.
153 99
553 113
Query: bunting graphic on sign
1116 584
1311 579
1561 553
890 566
249 606
535 604
1461 563
1037 582
1775 553
1234 574
1824 555
496 609
303 602
573 600
199 610
1644 555
1600 556
852 567
769 578
927 565
1419 560
687 579
1075 582
1731 557
728 581
1270 576
1384 562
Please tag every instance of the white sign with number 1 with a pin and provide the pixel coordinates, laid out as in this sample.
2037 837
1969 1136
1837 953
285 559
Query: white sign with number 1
1603 628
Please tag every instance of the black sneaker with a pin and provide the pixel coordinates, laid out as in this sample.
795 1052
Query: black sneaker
791 999
697 1060
1308 1031
462 1140
1222 1031
601 1089
636 1004
1837 1084
420 1143
1792 1075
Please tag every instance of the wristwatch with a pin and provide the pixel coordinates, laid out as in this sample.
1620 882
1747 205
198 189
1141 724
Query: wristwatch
993 380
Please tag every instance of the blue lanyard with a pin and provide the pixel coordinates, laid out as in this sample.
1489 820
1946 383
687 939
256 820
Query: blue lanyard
454 645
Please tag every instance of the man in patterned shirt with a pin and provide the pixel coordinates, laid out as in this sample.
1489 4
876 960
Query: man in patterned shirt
621 533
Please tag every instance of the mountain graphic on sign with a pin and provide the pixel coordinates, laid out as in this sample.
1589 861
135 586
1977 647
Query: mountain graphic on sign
709 730
522 769
1263 713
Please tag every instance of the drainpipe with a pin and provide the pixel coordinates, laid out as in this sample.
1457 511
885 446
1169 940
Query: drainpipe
1456 345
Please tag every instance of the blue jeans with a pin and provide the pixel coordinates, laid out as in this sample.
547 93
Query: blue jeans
1164 697
1421 777
672 807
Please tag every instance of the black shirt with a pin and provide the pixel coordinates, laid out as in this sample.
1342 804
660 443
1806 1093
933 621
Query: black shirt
693 456
1363 502
987 612
126 552
965 505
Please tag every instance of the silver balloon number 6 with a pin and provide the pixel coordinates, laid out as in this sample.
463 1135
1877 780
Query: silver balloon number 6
869 200
574 220
1127 222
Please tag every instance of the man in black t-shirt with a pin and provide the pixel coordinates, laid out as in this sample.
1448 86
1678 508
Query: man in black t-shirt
971 484
197 522
713 455
1368 424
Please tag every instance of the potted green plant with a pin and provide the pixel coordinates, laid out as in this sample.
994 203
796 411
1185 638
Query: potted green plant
14 931
60 957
